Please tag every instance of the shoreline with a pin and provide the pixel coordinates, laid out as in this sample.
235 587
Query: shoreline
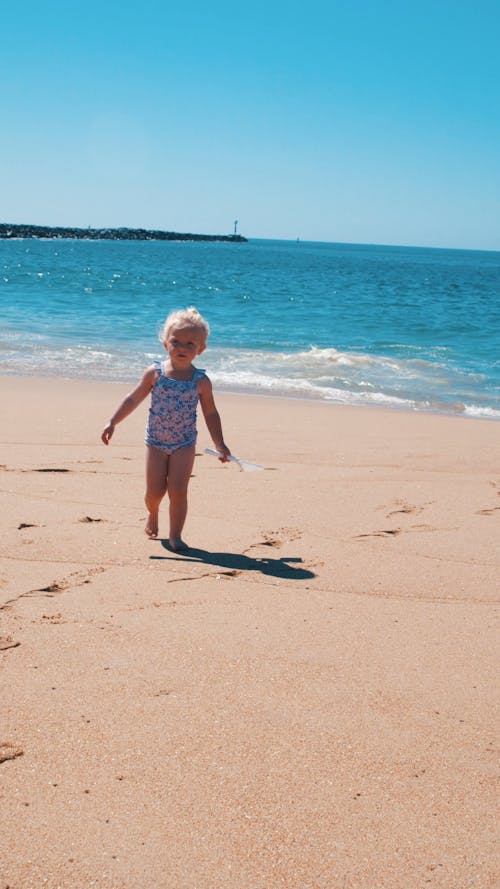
303 399
82 303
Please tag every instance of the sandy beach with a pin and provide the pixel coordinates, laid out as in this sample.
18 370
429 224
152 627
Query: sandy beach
304 699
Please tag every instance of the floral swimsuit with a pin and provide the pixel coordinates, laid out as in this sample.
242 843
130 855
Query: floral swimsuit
172 415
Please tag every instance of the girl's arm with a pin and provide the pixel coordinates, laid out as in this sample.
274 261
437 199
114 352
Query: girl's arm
130 402
212 418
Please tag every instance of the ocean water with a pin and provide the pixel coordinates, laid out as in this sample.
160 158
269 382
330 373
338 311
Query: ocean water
408 328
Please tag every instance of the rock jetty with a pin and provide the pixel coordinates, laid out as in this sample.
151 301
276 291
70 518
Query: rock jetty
108 234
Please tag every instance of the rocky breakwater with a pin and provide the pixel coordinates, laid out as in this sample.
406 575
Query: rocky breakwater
108 234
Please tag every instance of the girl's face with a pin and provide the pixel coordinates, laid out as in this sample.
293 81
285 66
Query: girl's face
183 344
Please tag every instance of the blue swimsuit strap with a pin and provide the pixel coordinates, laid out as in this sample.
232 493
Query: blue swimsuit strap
198 372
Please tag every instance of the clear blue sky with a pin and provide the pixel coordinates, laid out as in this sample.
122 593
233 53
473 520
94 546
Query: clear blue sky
370 122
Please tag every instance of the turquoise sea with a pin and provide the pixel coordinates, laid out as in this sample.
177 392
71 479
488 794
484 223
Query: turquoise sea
401 327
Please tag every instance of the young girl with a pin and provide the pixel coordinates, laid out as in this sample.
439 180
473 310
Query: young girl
175 386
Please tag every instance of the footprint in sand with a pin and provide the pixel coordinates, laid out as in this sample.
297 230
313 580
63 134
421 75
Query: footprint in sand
51 469
393 532
493 509
88 518
405 508
51 588
277 538
77 578
390 532
54 618
7 642
27 525
9 751
276 544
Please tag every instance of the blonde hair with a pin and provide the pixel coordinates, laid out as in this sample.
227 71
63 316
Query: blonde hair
189 317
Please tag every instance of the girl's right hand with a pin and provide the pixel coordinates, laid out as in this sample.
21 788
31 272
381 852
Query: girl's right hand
107 433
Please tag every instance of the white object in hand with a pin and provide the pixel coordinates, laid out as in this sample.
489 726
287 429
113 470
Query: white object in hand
245 465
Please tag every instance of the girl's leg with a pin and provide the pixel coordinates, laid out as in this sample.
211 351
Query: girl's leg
180 466
156 486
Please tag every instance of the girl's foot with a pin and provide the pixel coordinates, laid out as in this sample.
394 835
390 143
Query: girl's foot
151 529
177 544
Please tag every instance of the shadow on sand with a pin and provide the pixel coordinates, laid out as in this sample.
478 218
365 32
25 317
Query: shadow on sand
235 562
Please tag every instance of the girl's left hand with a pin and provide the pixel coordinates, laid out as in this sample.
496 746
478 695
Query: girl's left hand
224 453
